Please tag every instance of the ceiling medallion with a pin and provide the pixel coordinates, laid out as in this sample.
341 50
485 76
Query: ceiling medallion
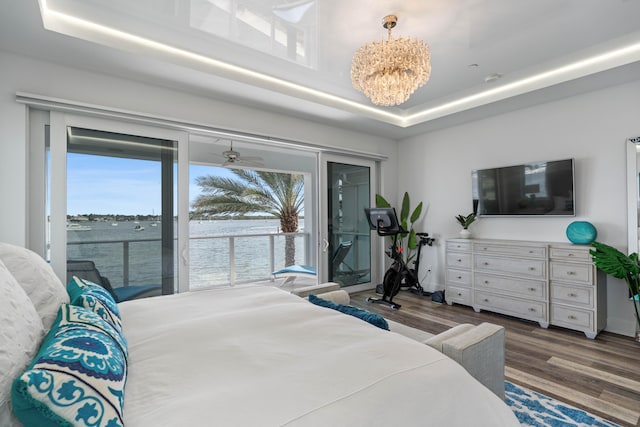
389 71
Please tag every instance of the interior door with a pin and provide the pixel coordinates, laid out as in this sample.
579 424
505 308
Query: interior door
347 188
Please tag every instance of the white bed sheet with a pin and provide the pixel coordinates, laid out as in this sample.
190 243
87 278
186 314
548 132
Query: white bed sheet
259 356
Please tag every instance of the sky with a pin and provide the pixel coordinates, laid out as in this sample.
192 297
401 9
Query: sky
111 185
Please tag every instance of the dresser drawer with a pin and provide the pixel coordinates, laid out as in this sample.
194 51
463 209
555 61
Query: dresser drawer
568 253
573 295
494 248
532 310
575 273
458 260
533 268
511 286
455 245
459 277
458 295
571 317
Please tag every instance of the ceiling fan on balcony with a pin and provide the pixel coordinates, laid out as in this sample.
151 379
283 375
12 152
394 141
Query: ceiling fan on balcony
233 158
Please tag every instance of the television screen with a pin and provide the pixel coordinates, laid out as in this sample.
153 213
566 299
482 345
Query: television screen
537 188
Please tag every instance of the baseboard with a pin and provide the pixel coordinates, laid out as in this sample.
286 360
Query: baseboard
621 327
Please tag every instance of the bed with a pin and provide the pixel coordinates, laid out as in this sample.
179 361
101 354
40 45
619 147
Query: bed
259 356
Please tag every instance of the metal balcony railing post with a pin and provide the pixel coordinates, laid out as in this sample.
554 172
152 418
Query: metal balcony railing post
125 263
232 260
272 254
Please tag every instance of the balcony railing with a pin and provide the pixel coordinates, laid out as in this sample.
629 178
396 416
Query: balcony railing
213 260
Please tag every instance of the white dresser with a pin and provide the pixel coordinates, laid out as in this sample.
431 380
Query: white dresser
549 283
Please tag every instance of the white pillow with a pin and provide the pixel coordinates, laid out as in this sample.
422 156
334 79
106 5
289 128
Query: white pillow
37 279
21 333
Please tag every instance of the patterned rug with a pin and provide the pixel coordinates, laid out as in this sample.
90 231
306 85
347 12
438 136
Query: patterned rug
537 410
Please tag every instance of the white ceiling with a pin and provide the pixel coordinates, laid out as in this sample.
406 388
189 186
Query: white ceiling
236 50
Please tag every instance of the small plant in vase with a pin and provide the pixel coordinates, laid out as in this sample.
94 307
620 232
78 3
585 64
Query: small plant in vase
465 222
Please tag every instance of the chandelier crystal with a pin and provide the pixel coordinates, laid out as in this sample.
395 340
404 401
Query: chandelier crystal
389 71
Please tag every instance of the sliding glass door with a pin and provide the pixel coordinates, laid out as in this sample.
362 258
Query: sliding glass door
120 194
347 251
114 203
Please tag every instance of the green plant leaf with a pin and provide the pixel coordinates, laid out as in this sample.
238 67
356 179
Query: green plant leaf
404 212
416 213
403 224
615 263
381 202
412 243
621 266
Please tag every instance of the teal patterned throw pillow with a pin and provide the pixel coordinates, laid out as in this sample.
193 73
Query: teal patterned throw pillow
94 297
369 317
78 376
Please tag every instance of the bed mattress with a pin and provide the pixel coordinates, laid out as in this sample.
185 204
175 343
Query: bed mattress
259 356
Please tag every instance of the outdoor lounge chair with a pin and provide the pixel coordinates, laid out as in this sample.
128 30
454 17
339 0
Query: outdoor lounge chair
293 271
87 270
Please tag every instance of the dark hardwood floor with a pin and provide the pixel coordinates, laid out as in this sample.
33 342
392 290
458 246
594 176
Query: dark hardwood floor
601 376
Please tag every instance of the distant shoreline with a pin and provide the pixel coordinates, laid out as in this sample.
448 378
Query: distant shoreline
124 218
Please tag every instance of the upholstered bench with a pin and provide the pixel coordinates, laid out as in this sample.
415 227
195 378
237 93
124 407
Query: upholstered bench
479 349
304 291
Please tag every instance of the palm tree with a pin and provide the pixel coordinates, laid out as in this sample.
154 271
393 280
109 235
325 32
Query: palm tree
279 194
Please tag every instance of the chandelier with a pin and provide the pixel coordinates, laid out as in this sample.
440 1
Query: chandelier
389 71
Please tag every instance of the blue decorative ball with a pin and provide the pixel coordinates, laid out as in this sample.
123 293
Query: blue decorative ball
581 232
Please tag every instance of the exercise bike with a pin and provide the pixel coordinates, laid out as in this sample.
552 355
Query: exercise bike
409 279
385 222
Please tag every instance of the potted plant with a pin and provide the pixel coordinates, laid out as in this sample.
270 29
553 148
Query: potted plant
408 241
465 222
621 266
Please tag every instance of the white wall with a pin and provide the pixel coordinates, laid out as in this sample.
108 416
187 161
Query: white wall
592 128
22 74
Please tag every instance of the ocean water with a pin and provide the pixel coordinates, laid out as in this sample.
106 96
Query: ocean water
210 254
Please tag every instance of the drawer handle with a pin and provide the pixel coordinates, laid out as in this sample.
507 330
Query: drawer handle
485 249
459 277
532 289
572 295
532 268
532 309
569 254
459 260
459 294
530 252
486 300
486 282
572 317
571 273
485 263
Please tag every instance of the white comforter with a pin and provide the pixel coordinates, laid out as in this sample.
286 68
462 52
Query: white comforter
258 356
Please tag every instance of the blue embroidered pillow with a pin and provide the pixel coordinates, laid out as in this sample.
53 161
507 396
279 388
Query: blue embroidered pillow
77 378
94 297
367 316
73 316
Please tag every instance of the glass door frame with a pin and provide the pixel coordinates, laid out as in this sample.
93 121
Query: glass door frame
59 122
324 263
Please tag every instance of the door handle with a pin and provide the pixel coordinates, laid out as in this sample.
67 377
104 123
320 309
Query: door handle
183 255
325 245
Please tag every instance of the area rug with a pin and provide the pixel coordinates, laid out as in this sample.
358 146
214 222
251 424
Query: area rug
537 410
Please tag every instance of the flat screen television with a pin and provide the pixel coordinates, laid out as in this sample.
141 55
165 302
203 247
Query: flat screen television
530 189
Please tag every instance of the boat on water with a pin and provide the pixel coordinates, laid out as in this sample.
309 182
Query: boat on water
138 228
74 226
